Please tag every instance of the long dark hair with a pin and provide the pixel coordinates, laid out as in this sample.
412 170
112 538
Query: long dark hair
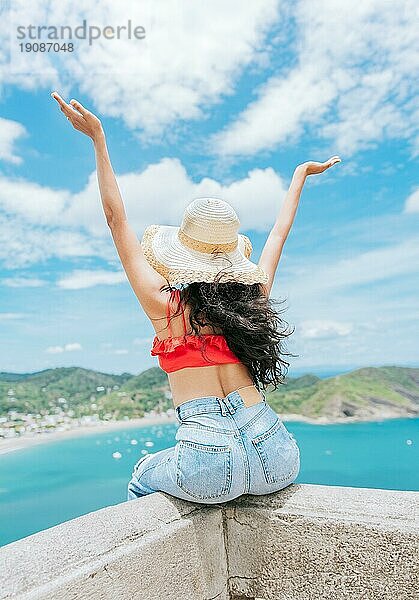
253 329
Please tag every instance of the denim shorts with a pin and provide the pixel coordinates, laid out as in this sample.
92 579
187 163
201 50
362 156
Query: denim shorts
224 449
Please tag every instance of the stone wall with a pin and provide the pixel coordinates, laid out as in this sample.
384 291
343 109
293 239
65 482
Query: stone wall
305 542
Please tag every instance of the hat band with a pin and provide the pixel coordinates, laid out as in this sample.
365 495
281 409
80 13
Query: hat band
205 247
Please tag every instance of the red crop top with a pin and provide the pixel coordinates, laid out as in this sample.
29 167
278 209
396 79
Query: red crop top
186 350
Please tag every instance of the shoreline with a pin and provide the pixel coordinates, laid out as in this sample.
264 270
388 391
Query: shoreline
345 420
27 440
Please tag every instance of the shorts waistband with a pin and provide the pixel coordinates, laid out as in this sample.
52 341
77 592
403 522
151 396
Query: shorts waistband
213 404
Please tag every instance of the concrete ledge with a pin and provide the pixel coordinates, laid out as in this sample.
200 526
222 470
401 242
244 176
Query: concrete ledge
153 547
324 542
304 542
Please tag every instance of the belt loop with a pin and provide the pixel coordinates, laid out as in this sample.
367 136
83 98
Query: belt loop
222 406
230 407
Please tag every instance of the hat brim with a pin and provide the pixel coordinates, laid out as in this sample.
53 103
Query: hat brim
179 264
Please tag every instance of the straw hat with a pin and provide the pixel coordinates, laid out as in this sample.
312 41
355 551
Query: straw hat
206 242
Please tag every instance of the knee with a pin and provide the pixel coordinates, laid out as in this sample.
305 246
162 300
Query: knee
130 494
136 488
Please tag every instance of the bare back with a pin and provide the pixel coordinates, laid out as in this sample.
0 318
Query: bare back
198 382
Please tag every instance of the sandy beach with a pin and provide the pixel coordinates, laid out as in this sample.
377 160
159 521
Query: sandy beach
26 440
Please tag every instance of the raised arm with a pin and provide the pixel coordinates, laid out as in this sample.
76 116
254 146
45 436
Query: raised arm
274 244
145 281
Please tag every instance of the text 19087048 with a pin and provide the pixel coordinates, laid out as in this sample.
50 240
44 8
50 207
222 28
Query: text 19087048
46 47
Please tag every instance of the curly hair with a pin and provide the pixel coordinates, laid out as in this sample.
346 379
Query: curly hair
253 329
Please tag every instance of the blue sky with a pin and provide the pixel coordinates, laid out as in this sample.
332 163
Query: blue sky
221 100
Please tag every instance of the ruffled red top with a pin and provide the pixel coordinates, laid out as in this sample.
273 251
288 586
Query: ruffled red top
191 350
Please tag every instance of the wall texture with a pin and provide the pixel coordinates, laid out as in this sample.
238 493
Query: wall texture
304 542
324 542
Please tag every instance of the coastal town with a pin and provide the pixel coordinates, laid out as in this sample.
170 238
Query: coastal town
16 424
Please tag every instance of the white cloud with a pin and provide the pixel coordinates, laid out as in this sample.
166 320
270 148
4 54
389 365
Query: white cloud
318 329
66 348
363 268
39 222
412 203
166 186
34 203
142 341
80 279
23 244
10 132
361 310
17 282
6 316
355 80
191 56
278 115
72 347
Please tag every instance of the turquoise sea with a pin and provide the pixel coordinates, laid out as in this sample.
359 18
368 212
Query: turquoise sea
50 483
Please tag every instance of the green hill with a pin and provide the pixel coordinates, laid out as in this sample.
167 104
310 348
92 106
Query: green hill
367 393
69 388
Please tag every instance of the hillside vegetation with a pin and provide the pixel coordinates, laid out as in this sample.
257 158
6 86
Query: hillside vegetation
371 392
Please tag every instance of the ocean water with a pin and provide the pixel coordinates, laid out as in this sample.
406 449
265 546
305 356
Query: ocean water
57 481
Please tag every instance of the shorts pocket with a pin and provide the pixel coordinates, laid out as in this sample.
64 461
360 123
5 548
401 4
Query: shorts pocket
203 470
278 452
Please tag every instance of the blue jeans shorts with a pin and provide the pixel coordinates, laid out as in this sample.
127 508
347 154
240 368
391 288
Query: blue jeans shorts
224 449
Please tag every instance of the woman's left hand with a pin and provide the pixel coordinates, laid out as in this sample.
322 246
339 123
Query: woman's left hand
81 119
314 168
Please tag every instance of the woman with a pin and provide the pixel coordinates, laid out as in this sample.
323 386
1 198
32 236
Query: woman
217 336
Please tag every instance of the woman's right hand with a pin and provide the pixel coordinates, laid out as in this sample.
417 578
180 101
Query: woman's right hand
81 119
